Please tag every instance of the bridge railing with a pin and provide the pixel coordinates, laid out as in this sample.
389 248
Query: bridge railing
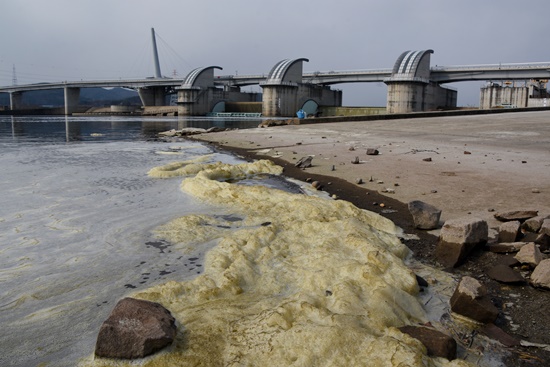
481 67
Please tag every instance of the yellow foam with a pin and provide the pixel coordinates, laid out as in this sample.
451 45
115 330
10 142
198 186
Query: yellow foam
299 281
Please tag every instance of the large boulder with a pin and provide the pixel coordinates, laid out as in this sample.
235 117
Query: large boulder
425 216
541 275
470 299
135 329
458 238
509 231
436 343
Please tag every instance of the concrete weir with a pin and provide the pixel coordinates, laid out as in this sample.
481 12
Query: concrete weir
284 93
410 88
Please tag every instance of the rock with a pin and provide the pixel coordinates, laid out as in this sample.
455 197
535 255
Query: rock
545 227
436 343
358 181
458 238
504 248
470 299
541 275
421 281
533 224
215 129
502 273
520 215
494 332
169 133
372 151
304 162
427 159
135 329
317 185
543 240
355 161
529 254
425 216
508 231
508 260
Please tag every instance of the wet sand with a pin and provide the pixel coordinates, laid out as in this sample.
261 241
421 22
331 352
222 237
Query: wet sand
479 164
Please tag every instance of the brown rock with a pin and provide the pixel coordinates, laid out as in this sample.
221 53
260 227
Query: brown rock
372 151
506 247
541 275
494 332
437 343
504 274
135 329
470 299
520 215
529 254
425 216
543 240
533 224
508 231
508 260
458 238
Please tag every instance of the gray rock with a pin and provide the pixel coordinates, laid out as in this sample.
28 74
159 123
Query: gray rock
504 274
304 162
458 238
529 254
541 275
135 329
425 216
520 215
372 151
436 343
509 231
470 299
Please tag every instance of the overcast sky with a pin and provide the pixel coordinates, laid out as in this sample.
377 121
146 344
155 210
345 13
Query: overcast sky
55 40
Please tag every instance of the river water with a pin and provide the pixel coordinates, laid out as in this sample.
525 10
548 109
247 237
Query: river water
76 214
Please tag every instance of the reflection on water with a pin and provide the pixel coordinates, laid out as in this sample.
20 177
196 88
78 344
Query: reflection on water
105 128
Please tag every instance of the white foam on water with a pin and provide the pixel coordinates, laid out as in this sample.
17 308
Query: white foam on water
75 237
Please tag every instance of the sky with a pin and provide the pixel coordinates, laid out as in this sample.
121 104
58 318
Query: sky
57 40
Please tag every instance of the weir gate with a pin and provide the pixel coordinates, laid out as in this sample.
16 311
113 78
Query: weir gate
413 86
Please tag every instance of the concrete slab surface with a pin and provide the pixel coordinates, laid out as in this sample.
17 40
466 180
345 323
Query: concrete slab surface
464 165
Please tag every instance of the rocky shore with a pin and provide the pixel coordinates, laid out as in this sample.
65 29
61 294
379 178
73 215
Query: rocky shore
467 167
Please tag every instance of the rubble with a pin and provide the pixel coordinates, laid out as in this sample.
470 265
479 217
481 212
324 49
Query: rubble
470 299
425 216
458 238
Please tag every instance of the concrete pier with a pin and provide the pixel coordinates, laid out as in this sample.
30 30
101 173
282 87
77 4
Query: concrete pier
72 98
152 96
16 100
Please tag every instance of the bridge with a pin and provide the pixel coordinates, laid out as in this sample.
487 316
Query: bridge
413 85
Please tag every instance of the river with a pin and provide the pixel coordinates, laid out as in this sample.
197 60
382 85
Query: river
75 225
